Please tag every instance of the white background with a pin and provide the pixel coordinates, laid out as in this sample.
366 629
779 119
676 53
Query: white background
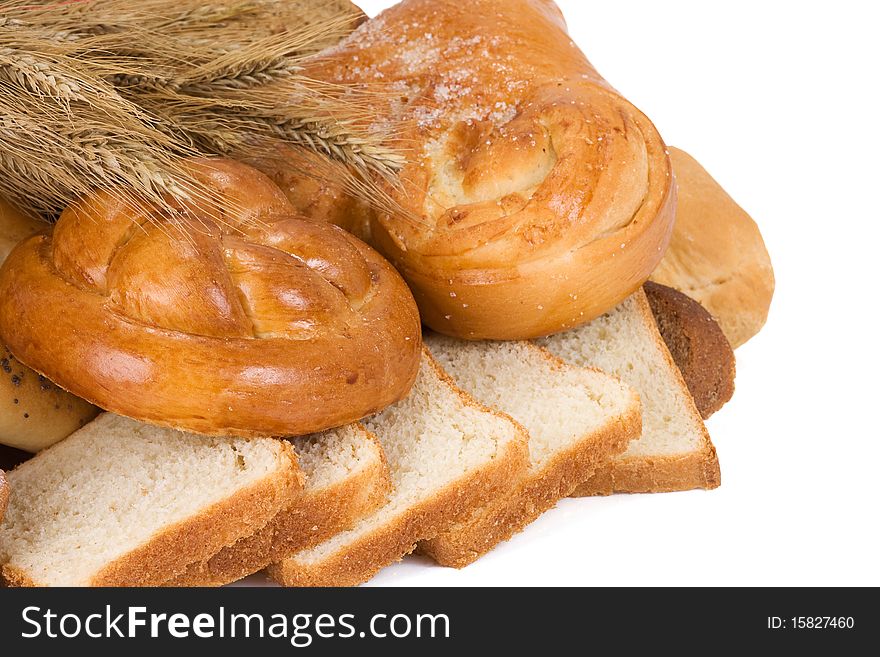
779 101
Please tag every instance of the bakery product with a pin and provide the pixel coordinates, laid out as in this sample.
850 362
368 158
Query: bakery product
577 418
245 321
447 454
122 503
717 255
674 451
34 413
4 495
697 345
345 478
525 167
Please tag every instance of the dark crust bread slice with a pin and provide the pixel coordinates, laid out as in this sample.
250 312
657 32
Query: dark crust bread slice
697 344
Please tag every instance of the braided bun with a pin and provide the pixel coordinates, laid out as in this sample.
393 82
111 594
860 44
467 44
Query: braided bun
255 322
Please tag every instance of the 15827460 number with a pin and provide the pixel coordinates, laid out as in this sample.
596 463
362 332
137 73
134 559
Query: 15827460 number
822 622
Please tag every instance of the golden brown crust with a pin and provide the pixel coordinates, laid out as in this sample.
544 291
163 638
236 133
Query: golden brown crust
4 494
655 475
717 255
390 542
537 197
34 412
169 552
537 493
313 517
256 323
697 345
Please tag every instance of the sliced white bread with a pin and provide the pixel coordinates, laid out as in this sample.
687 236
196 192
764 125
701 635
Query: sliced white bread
447 455
122 503
577 418
346 478
674 452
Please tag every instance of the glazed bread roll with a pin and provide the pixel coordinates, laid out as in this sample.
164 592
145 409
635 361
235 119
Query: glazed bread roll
717 255
535 197
253 323
34 413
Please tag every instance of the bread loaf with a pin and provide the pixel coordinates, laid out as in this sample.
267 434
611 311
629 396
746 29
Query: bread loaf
253 323
717 255
345 479
674 451
122 503
535 197
447 455
697 345
34 413
576 418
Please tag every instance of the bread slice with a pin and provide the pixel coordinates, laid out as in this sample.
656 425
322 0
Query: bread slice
447 454
4 495
576 417
674 451
346 478
121 503
697 345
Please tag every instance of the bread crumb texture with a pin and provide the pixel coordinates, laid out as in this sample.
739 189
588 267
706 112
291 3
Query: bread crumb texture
112 487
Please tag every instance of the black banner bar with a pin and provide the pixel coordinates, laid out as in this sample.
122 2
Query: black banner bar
435 621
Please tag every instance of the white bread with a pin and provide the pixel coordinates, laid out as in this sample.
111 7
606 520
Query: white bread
717 255
120 503
577 418
346 478
447 455
674 451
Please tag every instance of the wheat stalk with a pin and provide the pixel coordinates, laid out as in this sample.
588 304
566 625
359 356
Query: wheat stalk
114 95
